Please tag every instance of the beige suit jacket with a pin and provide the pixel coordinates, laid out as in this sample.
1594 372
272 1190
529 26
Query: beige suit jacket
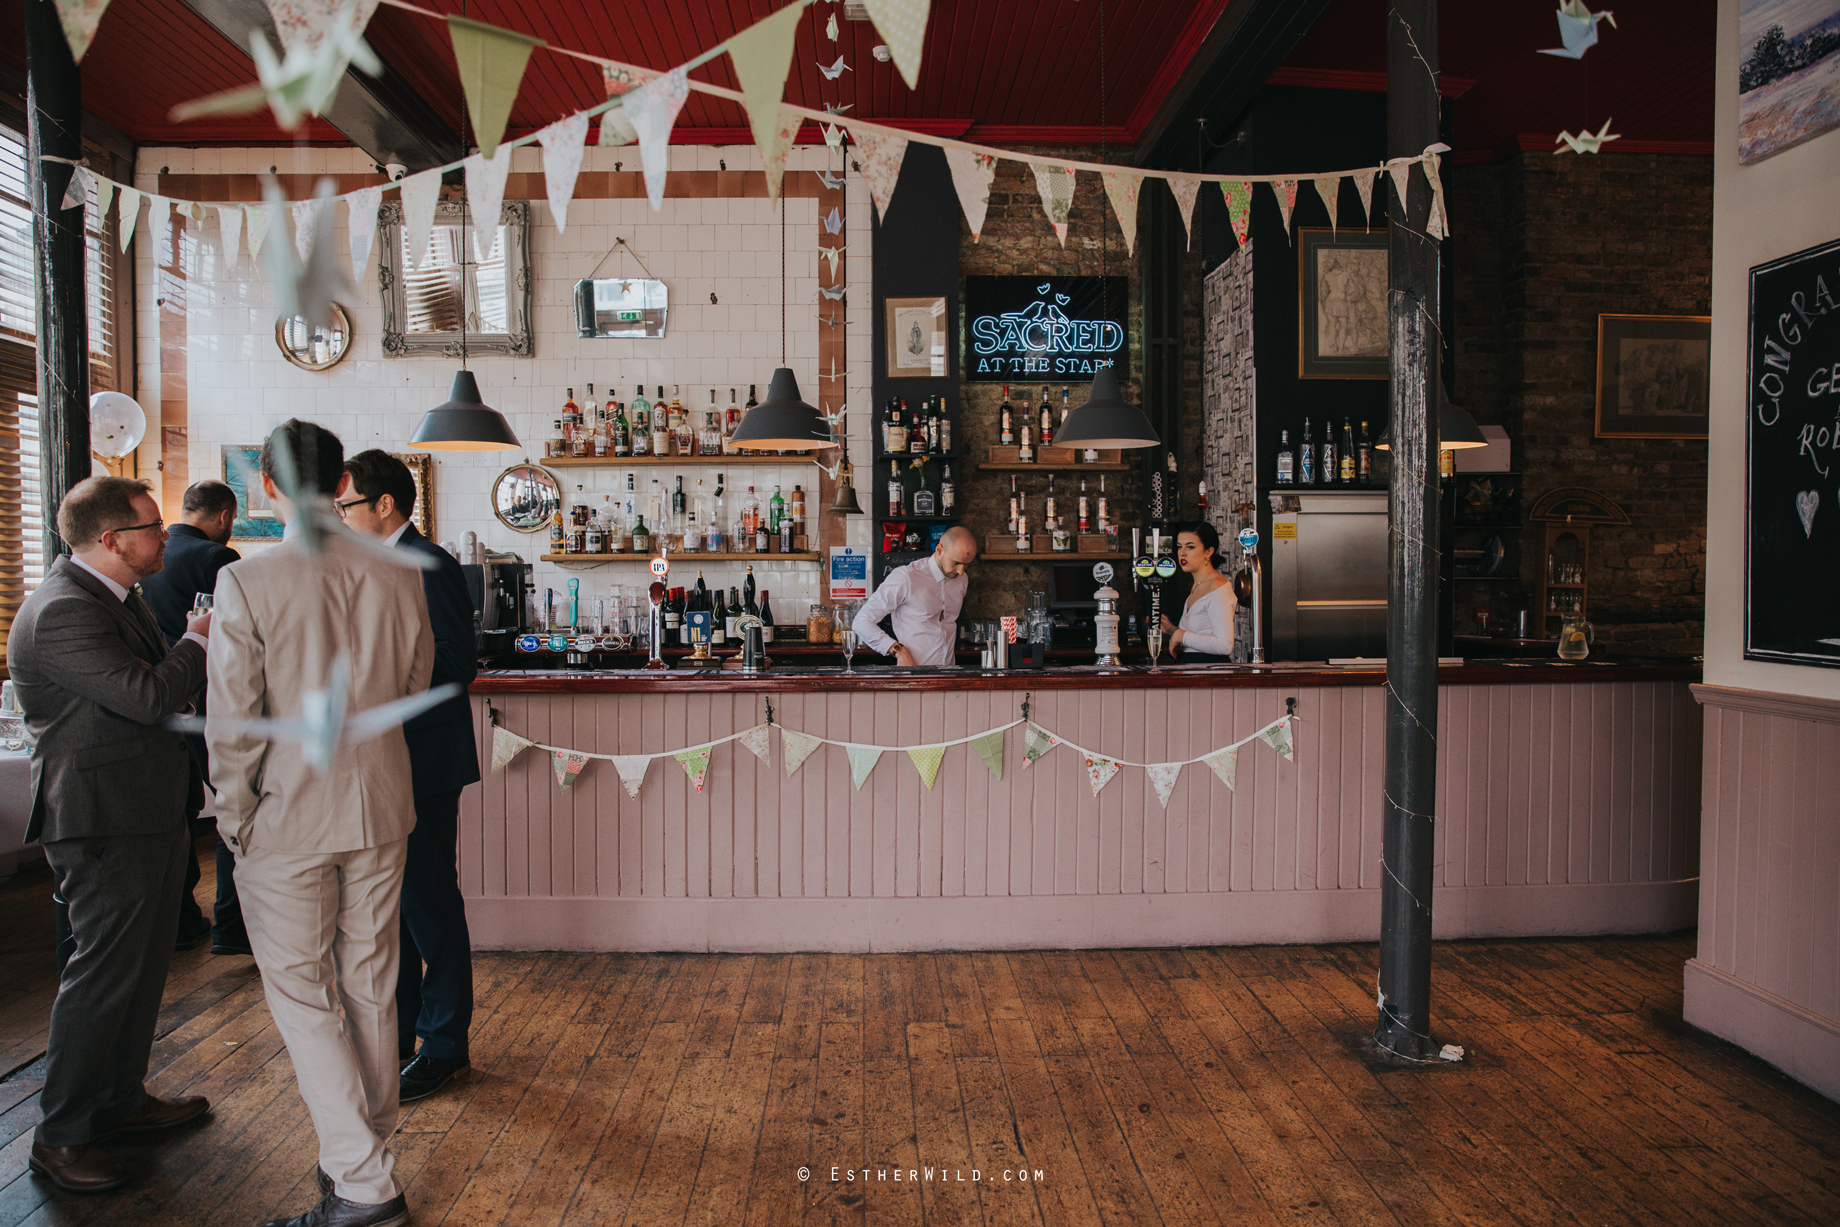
281 619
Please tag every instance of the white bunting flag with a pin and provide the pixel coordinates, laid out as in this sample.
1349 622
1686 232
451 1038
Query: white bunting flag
1055 183
1163 776
303 211
506 745
1285 190
420 193
485 194
230 234
761 54
759 741
1364 187
1437 225
862 762
779 144
105 194
971 176
568 765
797 747
76 194
1121 188
632 768
258 219
652 109
361 227
880 157
1401 174
79 19
1185 188
1225 764
309 21
128 206
159 219
902 25
1329 187
563 144
1099 771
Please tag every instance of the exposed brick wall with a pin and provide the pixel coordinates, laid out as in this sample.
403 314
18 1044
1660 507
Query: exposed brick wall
1542 245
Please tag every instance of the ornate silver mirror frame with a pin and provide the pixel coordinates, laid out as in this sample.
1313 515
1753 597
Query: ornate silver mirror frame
400 342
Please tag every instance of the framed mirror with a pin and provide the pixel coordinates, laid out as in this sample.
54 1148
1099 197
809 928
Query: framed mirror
525 496
423 302
620 307
314 349
421 469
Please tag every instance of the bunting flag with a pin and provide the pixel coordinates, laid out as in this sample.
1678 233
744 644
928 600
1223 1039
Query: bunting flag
653 109
695 763
773 155
310 21
1329 187
563 143
1099 771
506 745
881 165
568 765
128 207
361 228
230 234
1225 764
1121 188
971 176
1278 737
278 261
1285 190
105 193
420 193
797 747
759 741
926 762
1055 183
632 769
79 19
258 220
1239 208
485 193
159 217
491 64
616 126
761 54
862 762
902 25
76 193
1163 776
990 748
1185 188
1364 187
303 227
1036 741
310 291
1437 226
1401 174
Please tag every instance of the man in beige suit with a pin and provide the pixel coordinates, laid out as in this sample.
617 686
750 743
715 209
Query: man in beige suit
320 851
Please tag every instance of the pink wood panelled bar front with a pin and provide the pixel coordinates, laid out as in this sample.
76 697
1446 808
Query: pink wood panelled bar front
1568 803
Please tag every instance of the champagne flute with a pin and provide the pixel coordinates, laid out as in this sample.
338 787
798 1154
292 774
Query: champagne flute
201 603
848 640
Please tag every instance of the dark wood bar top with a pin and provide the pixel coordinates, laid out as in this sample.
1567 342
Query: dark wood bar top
795 678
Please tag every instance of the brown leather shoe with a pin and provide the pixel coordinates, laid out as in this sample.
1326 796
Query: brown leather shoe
77 1169
157 1115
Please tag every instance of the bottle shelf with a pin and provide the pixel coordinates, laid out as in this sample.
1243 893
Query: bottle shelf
1063 556
607 462
585 560
1095 467
916 455
919 519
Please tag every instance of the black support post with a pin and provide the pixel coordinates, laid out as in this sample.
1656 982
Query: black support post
1408 843
54 125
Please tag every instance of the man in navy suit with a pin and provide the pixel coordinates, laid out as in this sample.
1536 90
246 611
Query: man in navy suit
196 550
434 991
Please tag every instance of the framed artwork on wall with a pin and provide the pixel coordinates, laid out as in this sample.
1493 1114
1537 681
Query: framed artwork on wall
421 467
1652 376
1788 74
1341 304
256 517
915 337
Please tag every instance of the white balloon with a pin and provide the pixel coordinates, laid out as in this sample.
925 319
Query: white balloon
117 424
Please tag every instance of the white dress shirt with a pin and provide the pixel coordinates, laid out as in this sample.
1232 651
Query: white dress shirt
1207 623
923 605
121 594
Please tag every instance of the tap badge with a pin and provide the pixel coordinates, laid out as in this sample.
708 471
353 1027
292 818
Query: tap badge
529 643
1144 567
1248 538
1166 568
1103 572
661 567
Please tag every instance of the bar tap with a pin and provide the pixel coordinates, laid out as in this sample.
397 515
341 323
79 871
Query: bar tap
1153 570
657 627
1249 548
1105 622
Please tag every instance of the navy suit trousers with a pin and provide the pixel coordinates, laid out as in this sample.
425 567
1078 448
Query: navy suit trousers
434 990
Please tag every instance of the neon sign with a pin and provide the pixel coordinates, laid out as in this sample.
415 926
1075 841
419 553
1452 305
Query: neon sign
1024 328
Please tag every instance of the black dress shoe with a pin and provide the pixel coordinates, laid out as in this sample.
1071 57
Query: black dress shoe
192 931
321 1179
425 1075
334 1211
230 943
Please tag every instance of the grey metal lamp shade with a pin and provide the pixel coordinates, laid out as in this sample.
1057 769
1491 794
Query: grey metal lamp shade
464 423
1456 429
783 422
1106 420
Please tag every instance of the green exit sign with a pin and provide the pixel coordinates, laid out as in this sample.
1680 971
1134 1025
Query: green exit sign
628 315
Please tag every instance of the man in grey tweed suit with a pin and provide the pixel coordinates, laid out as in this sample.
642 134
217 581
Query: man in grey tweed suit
109 783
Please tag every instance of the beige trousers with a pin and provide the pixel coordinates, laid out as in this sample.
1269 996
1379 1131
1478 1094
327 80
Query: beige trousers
325 930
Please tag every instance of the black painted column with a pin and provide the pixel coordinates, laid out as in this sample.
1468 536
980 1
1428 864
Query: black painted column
54 125
1408 843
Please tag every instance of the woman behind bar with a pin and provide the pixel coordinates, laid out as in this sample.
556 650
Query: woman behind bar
1205 636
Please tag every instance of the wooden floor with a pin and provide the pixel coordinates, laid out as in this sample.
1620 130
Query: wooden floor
1132 1086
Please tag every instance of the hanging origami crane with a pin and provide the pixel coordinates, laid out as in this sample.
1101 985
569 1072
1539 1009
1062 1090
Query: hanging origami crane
833 291
301 84
1577 29
834 70
833 221
830 28
1587 141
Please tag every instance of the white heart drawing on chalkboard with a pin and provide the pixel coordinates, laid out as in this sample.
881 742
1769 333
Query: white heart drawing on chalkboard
1044 287
1806 503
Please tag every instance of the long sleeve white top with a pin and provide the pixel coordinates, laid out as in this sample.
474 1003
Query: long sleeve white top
1207 623
923 605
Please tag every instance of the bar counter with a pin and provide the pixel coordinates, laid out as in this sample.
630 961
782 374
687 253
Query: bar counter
1568 802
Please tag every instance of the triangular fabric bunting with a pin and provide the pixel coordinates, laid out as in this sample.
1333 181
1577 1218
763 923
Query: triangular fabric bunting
159 217
926 762
1364 187
1164 776
258 217
1401 174
971 176
1329 187
563 144
1121 188
105 194
1225 764
695 763
491 64
361 227
1036 741
230 234
506 745
616 125
76 195
1239 207
862 762
797 747
773 153
420 193
1185 188
1055 183
1437 225
653 109
1099 771
759 741
128 206
881 165
568 765
1285 190
303 228
1278 737
902 25
990 748
485 194
632 769
79 19
762 53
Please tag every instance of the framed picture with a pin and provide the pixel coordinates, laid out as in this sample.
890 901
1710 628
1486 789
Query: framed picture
1788 74
1652 376
915 337
256 518
1341 304
421 467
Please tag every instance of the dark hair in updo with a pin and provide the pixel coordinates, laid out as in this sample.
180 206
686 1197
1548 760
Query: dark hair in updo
1210 539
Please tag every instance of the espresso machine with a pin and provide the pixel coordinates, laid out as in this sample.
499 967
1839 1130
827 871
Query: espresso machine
497 588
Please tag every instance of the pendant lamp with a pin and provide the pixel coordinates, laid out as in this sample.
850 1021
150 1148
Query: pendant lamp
1456 429
784 422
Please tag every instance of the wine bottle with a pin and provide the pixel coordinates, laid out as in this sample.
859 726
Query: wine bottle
1015 503
1347 453
1364 458
1287 463
747 594
1085 517
766 617
1047 420
1308 476
1008 437
734 612
718 621
917 433
948 493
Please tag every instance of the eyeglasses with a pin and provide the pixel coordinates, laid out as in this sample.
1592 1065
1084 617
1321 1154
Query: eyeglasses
347 505
135 528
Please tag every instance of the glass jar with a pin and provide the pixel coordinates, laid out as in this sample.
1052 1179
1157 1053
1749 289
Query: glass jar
818 625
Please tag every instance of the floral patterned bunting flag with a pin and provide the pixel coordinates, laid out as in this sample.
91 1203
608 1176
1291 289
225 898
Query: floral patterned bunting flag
652 109
563 144
926 762
79 19
506 745
1225 764
971 176
1437 225
230 234
1239 207
1329 187
1121 188
695 763
759 741
1055 183
761 55
881 157
1163 775
1185 188
76 193
485 193
1099 771
568 765
361 227
1278 737
797 747
1285 190
1401 175
862 762
616 126
632 769
990 749
303 227
1364 187
779 144
1036 741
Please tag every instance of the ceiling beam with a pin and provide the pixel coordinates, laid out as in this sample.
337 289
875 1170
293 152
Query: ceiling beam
381 115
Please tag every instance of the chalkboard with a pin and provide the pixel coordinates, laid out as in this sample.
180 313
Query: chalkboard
1792 585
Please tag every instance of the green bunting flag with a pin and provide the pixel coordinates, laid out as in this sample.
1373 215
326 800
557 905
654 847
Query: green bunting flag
695 763
990 749
1239 208
491 64
1225 764
568 764
1036 741
862 762
902 25
762 53
926 762
797 747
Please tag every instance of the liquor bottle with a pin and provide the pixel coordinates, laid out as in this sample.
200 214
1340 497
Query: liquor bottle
1023 541
558 535
917 432
639 415
1347 455
766 617
612 532
1201 503
571 418
896 497
1287 463
785 535
747 594
797 507
677 498
948 493
1105 510
1024 415
730 420
897 428
681 429
1015 503
596 535
661 426
641 537
589 406
932 428
1364 457
1046 435
622 431
556 445
1085 508
1326 468
1447 466
702 593
1049 519
597 422
1027 454
716 529
734 612
776 510
760 533
1008 437
1308 476
718 621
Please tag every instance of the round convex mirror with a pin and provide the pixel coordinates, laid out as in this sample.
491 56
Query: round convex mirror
310 348
525 496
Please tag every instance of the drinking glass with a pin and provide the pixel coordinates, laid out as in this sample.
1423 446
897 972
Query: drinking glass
201 603
847 637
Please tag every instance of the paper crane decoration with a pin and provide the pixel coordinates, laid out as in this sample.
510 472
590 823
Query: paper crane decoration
834 70
301 84
1586 141
833 291
831 182
1577 29
833 221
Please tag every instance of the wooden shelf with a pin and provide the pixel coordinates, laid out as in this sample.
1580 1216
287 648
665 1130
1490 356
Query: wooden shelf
609 462
678 558
916 455
1096 467
1068 556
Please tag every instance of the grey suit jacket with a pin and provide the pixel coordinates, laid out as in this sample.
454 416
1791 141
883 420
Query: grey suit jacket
97 684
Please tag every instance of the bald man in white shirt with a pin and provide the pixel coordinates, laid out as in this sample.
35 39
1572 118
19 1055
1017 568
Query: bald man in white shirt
922 600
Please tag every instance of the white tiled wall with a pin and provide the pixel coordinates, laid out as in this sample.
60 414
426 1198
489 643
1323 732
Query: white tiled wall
240 387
